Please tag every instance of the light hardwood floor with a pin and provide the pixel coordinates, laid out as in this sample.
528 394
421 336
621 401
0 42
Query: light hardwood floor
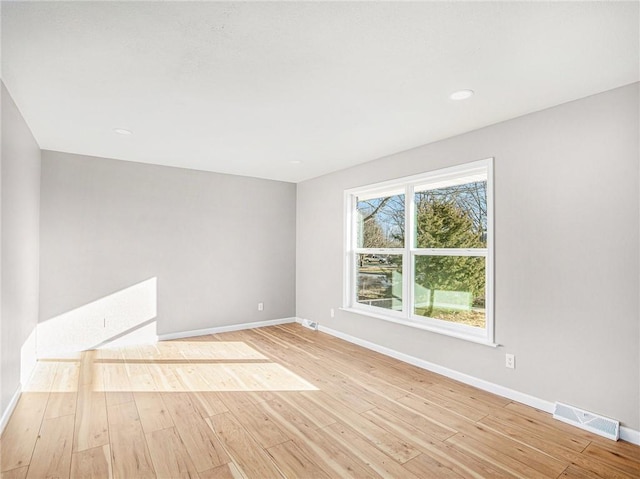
277 402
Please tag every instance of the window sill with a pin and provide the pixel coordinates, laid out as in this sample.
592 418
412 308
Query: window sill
425 327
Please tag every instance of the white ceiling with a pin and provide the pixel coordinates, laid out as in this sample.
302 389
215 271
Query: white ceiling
247 88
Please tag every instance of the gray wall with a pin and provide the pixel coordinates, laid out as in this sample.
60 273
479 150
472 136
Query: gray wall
217 244
20 205
566 249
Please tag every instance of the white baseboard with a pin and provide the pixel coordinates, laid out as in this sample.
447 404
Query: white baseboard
630 435
626 434
6 415
225 329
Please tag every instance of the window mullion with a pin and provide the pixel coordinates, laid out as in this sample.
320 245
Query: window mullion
378 250
451 251
409 240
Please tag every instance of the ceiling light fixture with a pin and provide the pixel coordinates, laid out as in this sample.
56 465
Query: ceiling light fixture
461 94
122 131
295 162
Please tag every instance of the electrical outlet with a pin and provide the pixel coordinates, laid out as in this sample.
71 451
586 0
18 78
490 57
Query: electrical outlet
332 313
510 361
260 306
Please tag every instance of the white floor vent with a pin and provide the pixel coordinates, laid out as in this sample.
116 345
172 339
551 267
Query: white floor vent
603 426
307 323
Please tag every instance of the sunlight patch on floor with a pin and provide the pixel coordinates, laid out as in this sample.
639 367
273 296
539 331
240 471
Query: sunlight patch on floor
170 366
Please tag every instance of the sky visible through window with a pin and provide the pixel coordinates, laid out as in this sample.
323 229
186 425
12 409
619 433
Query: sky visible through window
382 222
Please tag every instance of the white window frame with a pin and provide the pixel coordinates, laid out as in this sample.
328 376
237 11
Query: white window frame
408 186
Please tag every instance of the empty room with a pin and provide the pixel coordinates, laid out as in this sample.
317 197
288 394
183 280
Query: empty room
259 240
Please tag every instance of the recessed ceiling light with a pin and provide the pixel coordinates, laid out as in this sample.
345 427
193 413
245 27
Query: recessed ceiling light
122 131
295 162
461 94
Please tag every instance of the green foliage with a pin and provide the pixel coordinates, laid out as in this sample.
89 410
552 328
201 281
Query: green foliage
444 224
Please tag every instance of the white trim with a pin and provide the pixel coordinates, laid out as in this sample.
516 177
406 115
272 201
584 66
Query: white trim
348 266
489 264
479 252
225 329
630 435
454 330
6 415
626 433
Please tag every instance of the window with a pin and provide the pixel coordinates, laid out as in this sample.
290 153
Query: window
419 251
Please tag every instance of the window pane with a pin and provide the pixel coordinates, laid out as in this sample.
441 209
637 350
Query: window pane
451 288
379 280
452 216
381 222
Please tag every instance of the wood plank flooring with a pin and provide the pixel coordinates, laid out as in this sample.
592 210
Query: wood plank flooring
282 402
